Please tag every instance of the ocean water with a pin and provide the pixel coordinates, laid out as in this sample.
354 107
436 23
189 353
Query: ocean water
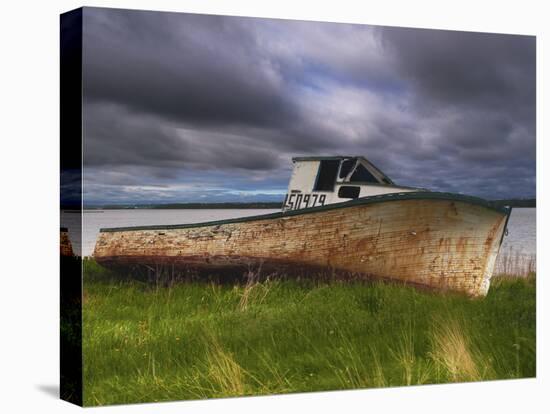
522 229
520 241
518 251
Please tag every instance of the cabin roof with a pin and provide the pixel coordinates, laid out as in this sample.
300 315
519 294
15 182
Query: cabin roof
324 158
342 157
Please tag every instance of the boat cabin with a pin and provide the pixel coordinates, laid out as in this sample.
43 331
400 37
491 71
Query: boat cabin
318 181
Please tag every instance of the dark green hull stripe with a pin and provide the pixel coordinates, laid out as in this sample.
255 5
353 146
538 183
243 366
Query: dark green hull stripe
418 195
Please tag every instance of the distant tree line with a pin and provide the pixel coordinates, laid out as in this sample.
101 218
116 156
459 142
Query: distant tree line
521 202
194 206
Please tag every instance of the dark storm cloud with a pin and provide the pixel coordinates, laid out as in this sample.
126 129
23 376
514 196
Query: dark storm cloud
193 68
176 104
463 68
481 88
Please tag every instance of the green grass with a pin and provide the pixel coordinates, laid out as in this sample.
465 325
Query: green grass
199 340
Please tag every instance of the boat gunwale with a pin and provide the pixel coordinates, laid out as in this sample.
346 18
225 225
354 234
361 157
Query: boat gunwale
416 195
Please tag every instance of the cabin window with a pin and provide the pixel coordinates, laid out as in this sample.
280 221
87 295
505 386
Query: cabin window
347 191
346 167
326 176
361 174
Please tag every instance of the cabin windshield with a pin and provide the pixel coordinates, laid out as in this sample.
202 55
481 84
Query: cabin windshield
346 167
361 174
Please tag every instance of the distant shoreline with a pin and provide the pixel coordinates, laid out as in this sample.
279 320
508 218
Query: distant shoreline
188 206
515 203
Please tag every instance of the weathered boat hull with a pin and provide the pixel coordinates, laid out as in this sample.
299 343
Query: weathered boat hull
438 240
65 247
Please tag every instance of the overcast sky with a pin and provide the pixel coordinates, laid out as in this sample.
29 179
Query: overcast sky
184 108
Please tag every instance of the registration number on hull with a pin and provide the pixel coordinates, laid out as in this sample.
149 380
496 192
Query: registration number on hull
296 201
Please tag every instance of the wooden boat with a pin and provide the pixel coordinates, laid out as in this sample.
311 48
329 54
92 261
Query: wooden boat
440 240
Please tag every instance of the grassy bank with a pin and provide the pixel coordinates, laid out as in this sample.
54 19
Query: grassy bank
195 340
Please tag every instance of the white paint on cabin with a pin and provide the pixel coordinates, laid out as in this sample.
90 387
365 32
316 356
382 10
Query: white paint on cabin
318 181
